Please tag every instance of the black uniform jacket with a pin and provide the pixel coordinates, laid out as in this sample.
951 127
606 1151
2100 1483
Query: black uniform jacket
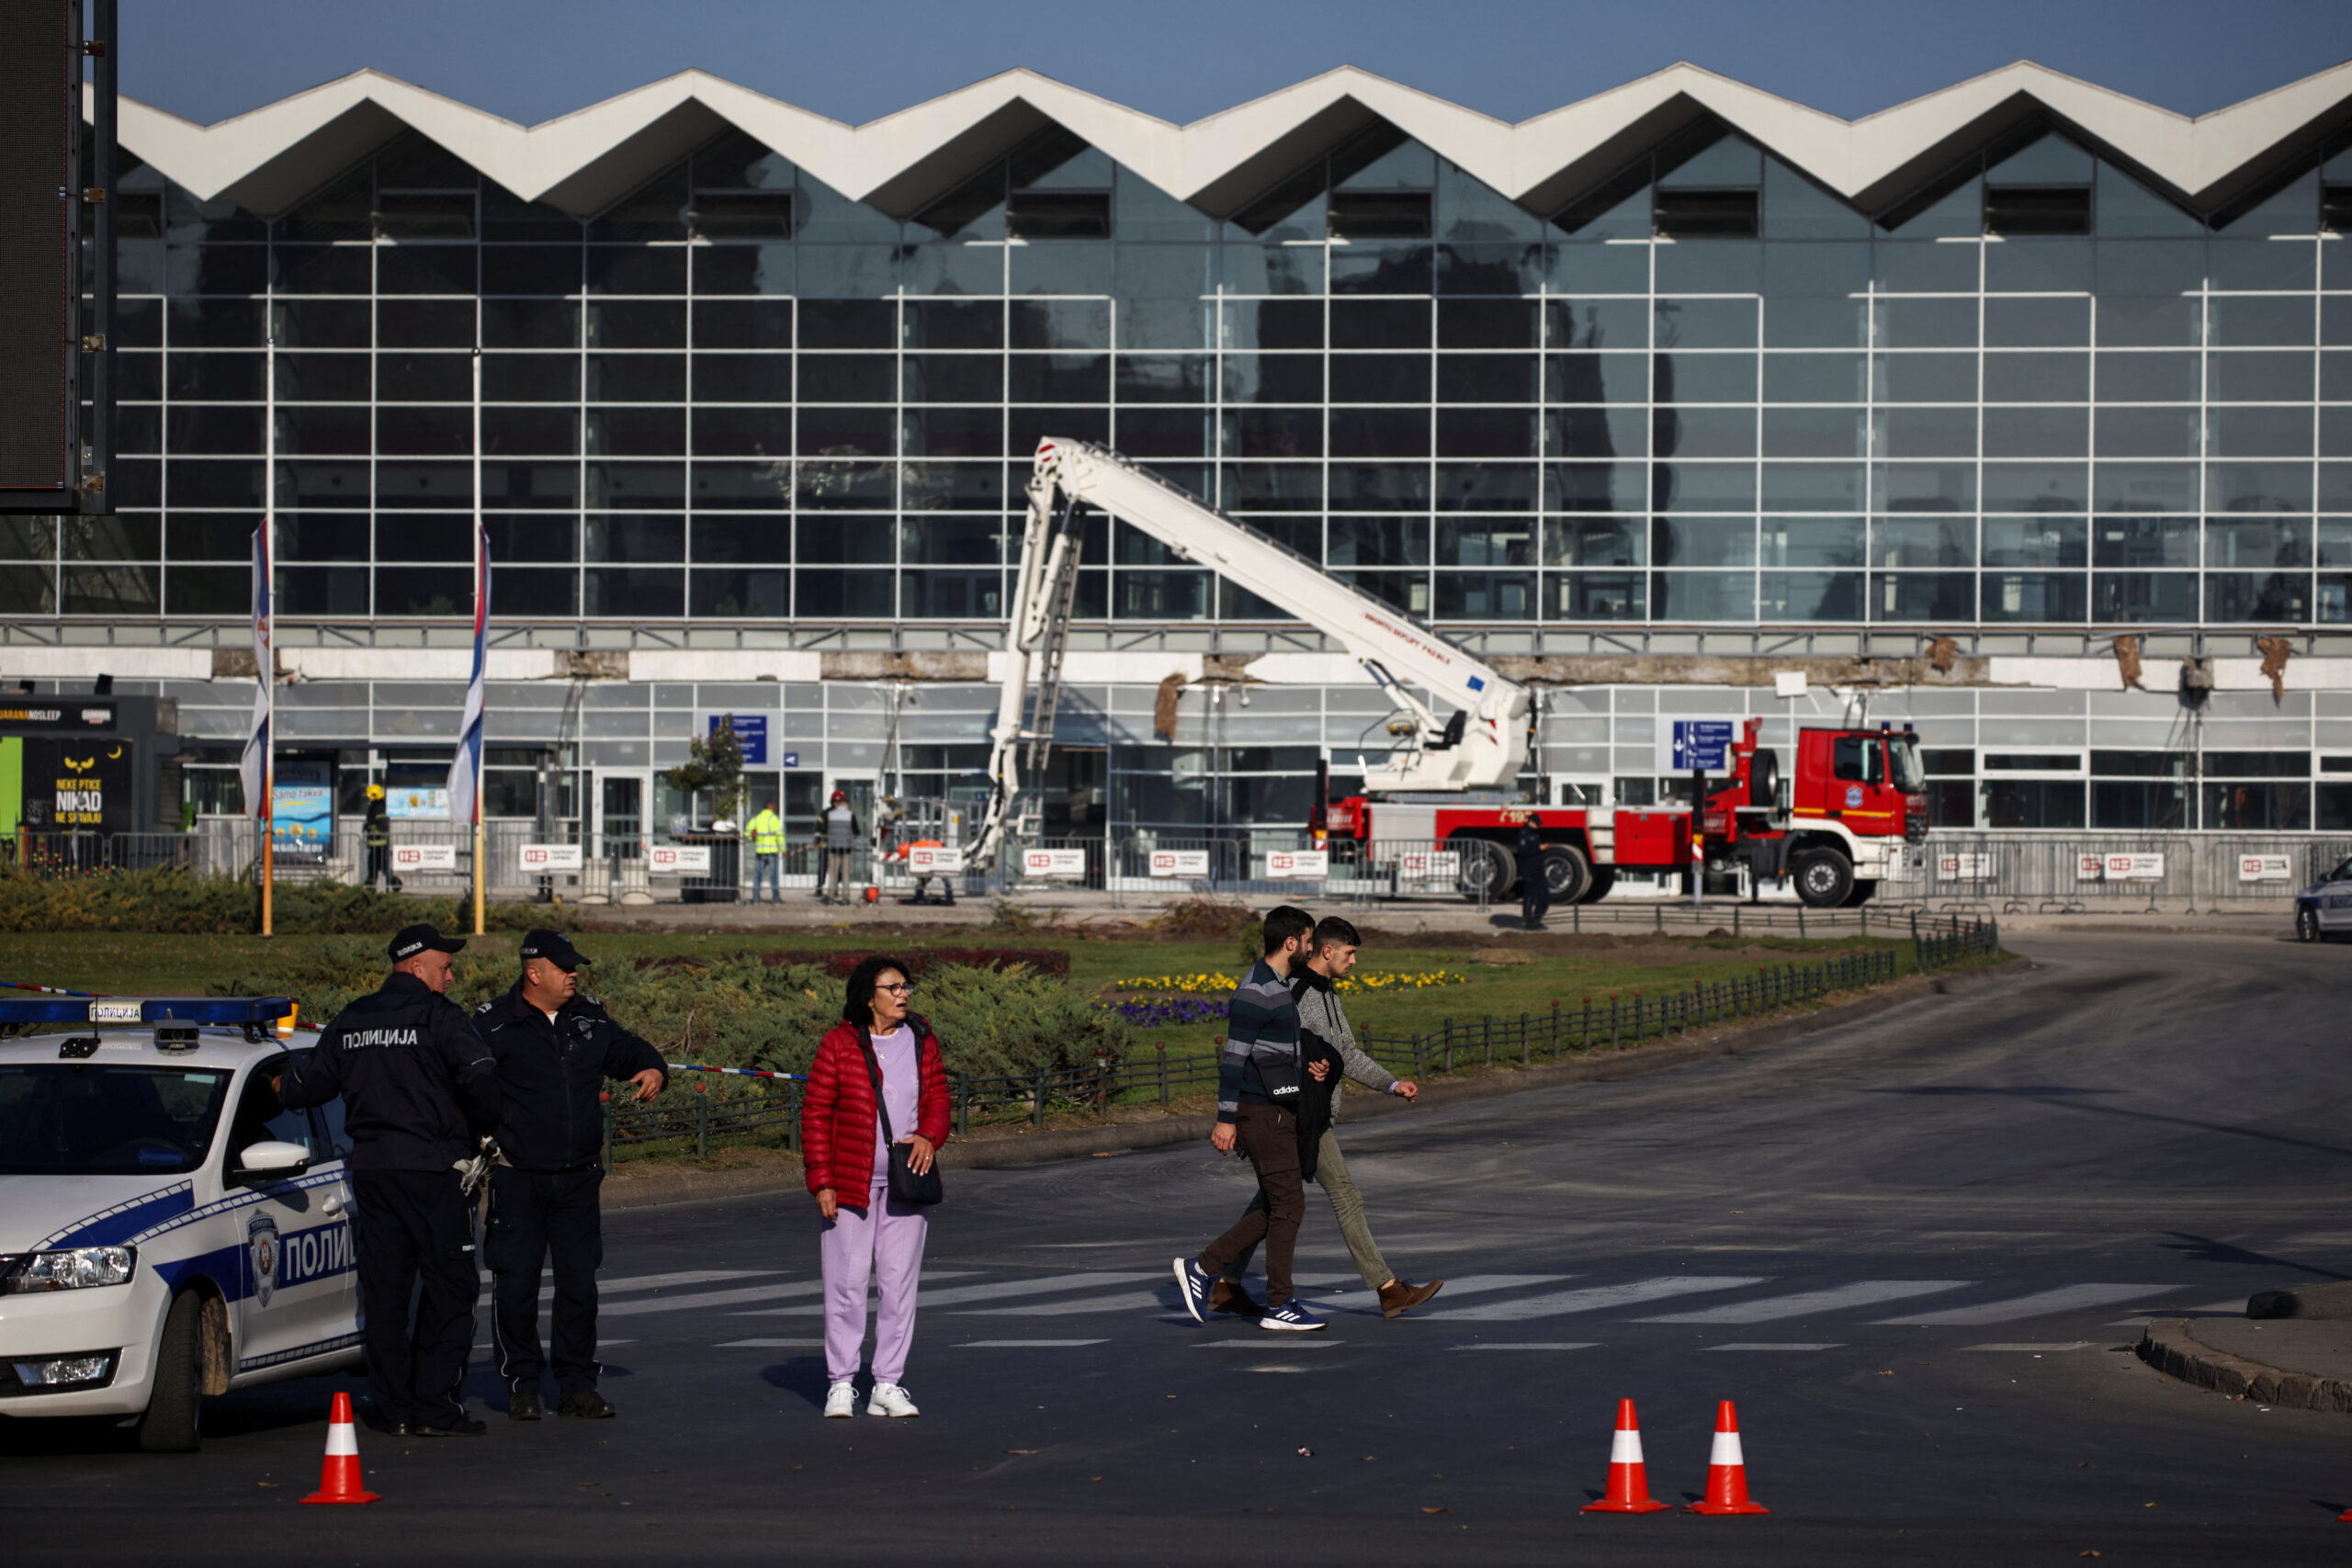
552 1073
418 1084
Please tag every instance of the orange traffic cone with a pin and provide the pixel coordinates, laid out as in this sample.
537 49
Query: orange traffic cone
339 1479
1726 1471
1629 1487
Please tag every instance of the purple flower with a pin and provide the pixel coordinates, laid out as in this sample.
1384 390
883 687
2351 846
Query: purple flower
1170 1010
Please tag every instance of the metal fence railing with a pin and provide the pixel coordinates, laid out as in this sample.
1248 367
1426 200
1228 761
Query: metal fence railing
2076 873
771 1106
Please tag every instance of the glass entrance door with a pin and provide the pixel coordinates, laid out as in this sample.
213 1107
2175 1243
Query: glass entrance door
620 816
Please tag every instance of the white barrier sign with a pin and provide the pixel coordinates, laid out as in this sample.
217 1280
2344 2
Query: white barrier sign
1972 866
2135 868
1307 863
678 860
424 857
1179 862
1054 866
549 857
2264 868
2090 868
936 860
1441 866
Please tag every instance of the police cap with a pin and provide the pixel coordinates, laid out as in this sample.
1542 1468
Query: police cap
413 939
553 946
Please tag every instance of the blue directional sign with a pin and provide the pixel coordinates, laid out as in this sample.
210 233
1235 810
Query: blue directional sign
751 733
1689 745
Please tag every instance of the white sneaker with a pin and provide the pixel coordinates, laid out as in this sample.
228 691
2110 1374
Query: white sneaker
889 1399
840 1400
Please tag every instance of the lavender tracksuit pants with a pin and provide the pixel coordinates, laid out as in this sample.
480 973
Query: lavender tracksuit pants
883 1240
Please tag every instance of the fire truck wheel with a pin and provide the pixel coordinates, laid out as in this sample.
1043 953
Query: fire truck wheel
1565 873
1603 879
1487 870
1824 878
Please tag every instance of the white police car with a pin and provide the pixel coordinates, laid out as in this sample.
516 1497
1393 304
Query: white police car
2324 909
167 1229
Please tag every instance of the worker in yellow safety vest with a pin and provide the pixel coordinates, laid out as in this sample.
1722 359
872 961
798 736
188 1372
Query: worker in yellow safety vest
766 833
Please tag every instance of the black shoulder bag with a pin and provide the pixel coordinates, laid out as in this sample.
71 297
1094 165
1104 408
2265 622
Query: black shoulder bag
917 1191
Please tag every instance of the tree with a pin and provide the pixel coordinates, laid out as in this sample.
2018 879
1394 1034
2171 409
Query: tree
713 762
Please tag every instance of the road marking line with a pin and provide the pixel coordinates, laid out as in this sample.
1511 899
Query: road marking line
1468 1285
1027 1344
2037 1349
1766 1345
767 1344
689 1277
996 1290
1571 1344
734 1298
2042 1303
1862 1292
1595 1297
1260 1347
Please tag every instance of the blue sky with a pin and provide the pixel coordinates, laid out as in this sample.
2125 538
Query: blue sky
531 60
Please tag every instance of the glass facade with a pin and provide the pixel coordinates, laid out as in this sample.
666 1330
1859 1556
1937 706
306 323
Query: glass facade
1708 394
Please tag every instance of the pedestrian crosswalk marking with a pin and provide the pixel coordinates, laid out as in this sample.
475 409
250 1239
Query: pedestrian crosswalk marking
2042 1303
1027 1344
732 1298
770 1345
1594 1298
1767 1345
1839 1298
1570 1345
1309 1341
1468 1285
995 1291
686 1277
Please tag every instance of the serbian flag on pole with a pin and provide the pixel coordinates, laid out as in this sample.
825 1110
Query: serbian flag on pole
253 767
465 768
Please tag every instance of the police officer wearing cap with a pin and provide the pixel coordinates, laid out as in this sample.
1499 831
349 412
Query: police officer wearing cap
419 1089
555 1048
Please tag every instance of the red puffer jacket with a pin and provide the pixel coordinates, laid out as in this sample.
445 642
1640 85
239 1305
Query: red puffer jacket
838 1118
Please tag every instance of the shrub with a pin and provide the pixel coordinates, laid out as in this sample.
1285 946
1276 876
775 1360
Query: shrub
1253 942
920 961
1197 918
174 900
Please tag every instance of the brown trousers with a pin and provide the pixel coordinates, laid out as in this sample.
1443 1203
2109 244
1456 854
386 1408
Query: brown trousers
1269 1135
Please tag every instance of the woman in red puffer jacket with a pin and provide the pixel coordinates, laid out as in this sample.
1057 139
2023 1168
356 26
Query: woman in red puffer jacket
867 1233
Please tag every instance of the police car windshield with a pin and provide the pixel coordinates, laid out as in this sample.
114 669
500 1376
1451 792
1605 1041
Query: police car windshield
106 1118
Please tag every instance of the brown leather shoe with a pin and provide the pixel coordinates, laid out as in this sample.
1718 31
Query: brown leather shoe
1403 1295
1229 1296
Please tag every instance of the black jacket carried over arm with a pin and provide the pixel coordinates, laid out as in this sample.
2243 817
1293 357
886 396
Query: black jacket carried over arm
418 1084
551 1073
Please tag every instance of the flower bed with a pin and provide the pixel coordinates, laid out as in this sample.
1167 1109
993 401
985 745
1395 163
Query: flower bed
1207 984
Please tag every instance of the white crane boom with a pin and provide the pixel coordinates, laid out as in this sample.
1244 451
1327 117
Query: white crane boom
1482 746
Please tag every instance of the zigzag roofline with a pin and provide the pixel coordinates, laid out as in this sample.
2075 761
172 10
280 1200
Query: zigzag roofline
271 157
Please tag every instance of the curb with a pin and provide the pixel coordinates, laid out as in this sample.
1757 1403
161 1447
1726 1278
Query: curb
675 1184
2168 1345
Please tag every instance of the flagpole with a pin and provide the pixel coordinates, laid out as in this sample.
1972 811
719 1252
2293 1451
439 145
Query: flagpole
266 656
482 561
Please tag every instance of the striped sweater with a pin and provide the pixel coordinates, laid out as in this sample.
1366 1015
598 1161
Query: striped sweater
1262 1026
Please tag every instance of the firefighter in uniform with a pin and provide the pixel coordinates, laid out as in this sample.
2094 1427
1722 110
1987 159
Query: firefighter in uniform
555 1048
375 828
419 1089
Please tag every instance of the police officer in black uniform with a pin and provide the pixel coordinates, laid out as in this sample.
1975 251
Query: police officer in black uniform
419 1088
555 1048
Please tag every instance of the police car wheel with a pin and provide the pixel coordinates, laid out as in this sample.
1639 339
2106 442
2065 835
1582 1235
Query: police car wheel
169 1423
2307 925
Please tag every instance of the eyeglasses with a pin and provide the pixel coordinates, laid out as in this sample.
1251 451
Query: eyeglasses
904 988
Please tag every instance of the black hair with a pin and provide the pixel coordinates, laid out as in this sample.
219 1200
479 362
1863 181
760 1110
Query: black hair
857 1001
1284 923
1333 932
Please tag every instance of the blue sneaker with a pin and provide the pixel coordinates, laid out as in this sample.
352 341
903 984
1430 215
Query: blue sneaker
1291 1315
1194 1286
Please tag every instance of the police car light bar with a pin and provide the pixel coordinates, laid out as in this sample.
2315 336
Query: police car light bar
248 1012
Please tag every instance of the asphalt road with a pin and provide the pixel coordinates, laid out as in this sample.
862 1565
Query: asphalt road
1910 1248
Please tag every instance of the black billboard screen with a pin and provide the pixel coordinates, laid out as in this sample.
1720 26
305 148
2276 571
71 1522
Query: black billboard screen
40 83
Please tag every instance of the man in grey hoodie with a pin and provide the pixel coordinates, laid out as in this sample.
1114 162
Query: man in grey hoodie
1331 953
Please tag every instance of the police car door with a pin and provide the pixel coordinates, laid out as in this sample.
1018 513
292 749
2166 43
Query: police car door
2333 900
298 1297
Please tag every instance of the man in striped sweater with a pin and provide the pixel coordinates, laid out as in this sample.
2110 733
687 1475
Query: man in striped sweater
1258 1075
